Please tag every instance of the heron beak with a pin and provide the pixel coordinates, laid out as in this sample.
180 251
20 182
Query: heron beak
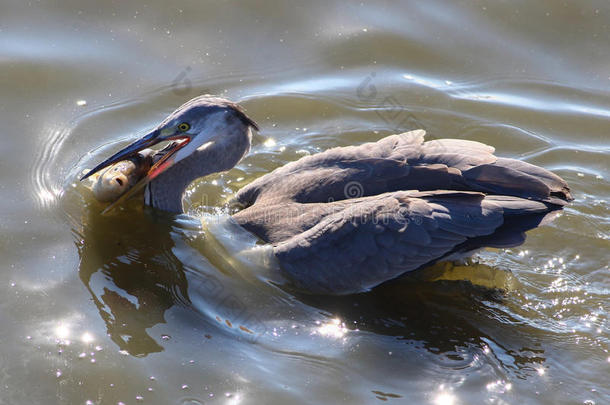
127 152
159 135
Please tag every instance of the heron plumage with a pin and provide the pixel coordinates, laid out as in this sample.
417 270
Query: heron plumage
350 218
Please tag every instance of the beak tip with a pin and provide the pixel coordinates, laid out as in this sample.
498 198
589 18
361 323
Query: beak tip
89 173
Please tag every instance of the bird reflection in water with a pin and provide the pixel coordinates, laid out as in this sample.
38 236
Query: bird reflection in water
451 319
127 265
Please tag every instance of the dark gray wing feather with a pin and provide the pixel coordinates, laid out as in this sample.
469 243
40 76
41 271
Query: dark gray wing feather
404 162
376 239
324 176
517 178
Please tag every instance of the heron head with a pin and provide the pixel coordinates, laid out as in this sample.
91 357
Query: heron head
194 126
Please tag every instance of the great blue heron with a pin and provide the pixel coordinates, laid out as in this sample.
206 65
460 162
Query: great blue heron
350 218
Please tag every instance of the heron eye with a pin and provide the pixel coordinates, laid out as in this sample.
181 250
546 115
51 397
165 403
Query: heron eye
184 127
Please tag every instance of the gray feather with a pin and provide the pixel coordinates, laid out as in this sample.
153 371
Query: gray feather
421 202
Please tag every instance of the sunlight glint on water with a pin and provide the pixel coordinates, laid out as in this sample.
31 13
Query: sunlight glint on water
94 306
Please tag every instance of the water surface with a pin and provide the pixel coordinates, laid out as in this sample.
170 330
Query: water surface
145 307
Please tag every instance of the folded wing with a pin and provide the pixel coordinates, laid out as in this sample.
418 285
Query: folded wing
376 239
404 162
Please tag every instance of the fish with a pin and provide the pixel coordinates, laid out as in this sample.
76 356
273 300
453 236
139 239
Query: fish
110 184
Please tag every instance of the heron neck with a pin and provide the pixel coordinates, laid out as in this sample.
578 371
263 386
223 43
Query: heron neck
166 191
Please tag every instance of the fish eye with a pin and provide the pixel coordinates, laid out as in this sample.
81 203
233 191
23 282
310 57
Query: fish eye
184 127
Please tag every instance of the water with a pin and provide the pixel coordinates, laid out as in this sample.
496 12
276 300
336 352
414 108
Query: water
146 308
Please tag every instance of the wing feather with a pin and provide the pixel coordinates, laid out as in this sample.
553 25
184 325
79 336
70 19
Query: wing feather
379 238
376 239
404 162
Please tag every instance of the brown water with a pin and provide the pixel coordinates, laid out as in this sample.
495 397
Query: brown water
146 308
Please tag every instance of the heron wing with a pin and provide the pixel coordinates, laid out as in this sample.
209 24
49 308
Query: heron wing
404 162
375 239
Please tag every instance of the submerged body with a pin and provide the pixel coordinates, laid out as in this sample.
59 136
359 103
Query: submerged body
348 219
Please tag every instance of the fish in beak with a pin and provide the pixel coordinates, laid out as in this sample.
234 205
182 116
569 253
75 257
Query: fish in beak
179 139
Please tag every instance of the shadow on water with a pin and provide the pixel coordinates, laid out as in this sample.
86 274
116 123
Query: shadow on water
127 265
452 319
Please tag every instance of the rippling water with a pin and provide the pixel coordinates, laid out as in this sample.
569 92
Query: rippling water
150 308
